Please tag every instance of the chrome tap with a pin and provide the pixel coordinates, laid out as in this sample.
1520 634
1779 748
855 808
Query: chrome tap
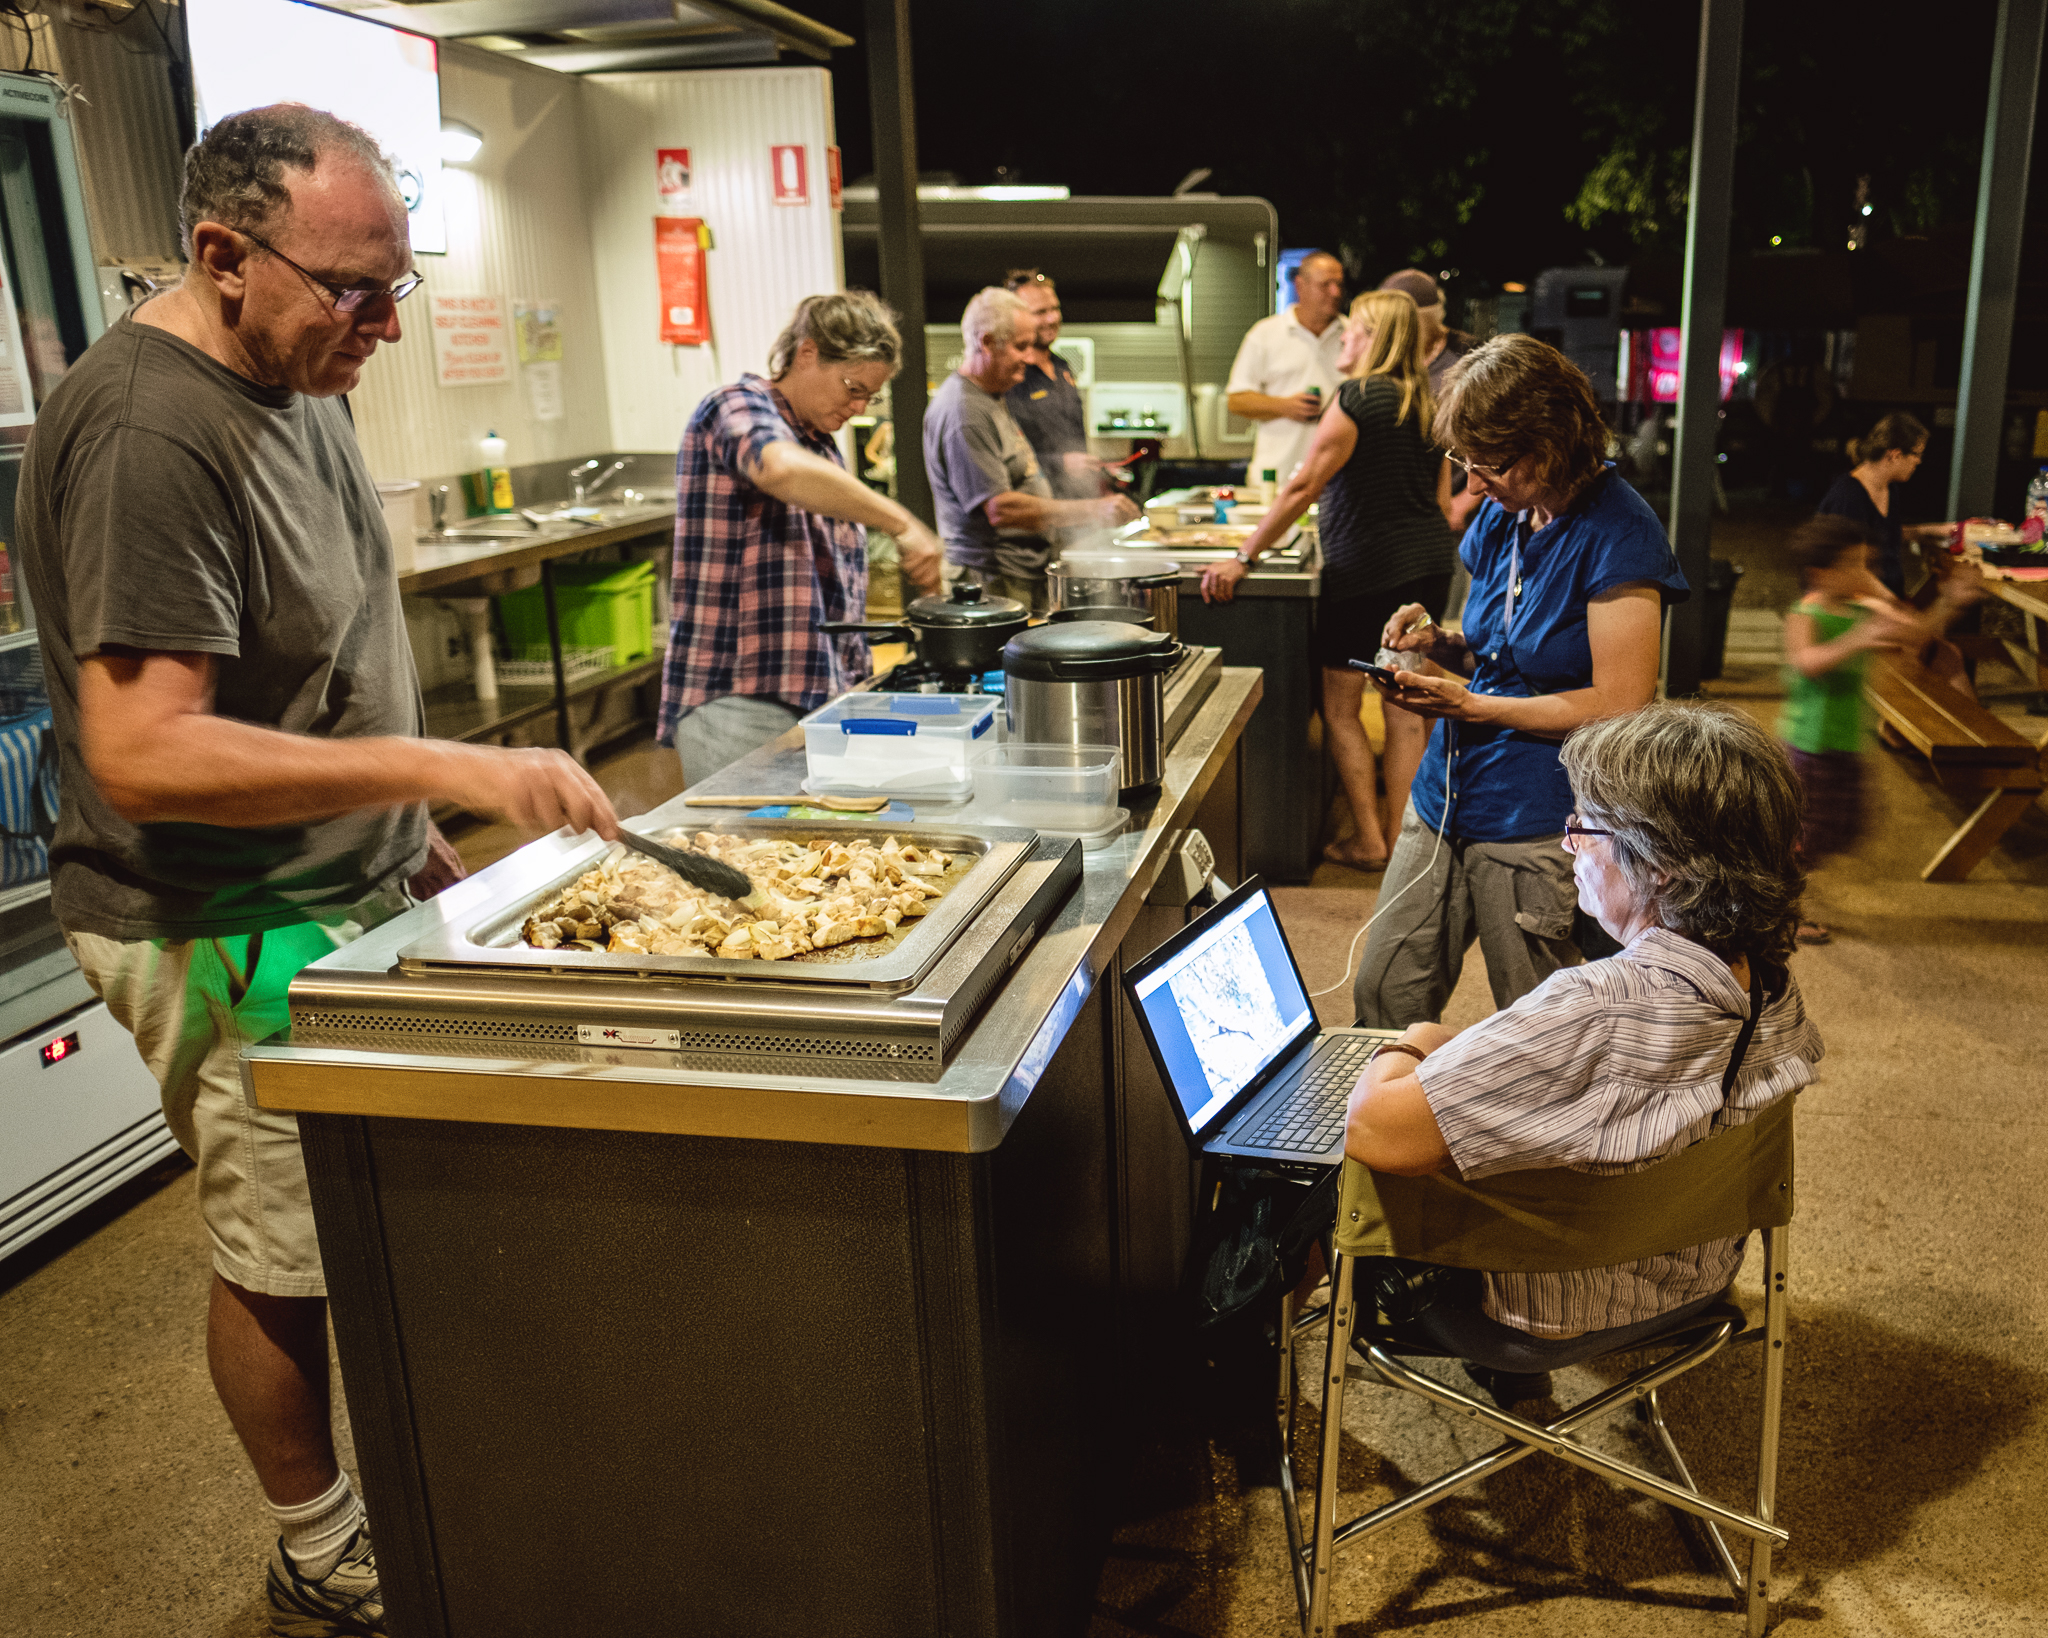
588 491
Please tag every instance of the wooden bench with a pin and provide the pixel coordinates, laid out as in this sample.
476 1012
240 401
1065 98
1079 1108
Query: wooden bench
1971 751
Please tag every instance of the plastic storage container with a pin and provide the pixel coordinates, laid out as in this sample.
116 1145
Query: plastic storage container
1068 790
904 744
600 605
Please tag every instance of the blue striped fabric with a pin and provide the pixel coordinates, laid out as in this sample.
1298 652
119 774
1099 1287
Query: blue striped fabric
1610 1067
28 797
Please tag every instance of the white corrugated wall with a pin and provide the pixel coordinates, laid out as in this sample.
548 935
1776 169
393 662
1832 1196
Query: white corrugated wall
518 228
767 257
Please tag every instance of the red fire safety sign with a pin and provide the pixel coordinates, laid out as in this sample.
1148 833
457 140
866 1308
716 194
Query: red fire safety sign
792 175
679 246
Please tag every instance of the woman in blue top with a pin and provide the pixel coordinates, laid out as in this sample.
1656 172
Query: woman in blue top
1570 574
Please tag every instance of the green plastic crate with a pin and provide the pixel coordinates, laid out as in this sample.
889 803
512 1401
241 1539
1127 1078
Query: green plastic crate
600 605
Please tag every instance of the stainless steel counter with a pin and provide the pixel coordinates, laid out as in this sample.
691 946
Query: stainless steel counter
968 1110
441 565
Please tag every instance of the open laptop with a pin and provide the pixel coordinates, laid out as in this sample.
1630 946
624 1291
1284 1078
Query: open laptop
1253 1075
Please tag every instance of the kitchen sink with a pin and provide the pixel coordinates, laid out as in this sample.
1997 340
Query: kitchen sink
489 529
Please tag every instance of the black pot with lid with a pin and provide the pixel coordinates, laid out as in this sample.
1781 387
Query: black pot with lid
1089 650
962 630
1092 682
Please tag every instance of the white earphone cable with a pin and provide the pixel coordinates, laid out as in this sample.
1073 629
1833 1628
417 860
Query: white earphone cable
1443 824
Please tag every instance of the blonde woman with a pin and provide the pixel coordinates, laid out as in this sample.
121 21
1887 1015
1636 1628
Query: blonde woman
1386 495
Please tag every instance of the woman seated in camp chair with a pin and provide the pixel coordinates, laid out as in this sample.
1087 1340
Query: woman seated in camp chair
1682 844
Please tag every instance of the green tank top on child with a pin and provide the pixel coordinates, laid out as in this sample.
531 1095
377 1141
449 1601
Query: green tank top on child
1826 713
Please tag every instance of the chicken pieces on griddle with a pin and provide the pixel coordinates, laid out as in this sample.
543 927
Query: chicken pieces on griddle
821 893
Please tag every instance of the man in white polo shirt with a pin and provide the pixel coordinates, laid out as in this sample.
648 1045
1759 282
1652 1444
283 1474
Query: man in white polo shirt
1281 359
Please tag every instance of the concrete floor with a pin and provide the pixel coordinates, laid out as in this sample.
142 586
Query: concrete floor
1915 1374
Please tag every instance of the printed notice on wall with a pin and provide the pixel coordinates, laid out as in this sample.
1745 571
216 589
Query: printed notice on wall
544 389
679 246
672 179
537 331
16 409
471 346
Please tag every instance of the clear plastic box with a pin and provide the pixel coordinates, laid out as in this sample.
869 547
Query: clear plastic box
1064 789
904 744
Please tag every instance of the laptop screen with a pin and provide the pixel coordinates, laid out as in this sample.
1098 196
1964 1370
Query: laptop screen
1223 1006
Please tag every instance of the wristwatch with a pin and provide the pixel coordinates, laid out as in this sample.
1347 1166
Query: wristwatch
1247 559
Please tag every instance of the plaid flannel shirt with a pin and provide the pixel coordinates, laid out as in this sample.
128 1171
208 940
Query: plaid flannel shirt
753 577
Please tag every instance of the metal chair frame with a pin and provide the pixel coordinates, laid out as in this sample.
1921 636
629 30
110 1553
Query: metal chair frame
1689 1344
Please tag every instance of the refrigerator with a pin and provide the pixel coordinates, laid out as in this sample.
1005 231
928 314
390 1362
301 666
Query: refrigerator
79 1111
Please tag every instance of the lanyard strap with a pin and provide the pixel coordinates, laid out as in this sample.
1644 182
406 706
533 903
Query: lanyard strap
1514 573
1756 1007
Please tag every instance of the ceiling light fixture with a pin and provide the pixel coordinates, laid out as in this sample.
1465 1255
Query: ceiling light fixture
460 143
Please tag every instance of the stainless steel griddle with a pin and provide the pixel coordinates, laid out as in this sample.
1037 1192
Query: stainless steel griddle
467 983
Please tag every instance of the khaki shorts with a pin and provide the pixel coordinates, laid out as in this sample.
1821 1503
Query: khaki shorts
192 1005
1514 898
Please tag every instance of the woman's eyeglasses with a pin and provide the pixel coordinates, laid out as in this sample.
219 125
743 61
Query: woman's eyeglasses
1573 828
1491 473
857 395
348 298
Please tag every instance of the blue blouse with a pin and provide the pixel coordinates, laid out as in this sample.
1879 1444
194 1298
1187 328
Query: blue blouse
1507 785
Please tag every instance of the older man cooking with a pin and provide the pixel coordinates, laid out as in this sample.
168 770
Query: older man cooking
995 506
236 718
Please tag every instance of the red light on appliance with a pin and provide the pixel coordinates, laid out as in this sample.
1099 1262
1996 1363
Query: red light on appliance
55 1052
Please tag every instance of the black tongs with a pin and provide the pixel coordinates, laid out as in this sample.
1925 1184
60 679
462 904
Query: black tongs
699 870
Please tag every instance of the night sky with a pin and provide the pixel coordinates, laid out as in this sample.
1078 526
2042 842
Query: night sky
1454 137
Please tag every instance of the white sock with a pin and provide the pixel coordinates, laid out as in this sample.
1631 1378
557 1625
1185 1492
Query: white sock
316 1531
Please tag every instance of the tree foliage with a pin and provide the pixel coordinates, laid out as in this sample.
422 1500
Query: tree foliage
1495 136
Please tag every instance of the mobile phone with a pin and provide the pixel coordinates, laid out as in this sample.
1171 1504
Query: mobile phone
1378 673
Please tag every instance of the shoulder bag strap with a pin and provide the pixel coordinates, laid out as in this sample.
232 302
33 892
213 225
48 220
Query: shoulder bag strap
1756 1007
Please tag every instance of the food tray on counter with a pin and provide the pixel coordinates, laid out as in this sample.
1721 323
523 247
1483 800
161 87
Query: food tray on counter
491 941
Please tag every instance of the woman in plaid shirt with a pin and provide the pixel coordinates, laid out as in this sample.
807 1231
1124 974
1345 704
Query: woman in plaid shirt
770 537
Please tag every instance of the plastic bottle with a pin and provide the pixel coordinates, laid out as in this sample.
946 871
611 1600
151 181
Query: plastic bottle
491 488
2037 496
10 613
1269 484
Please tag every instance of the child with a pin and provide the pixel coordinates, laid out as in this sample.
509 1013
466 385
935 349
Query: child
1829 634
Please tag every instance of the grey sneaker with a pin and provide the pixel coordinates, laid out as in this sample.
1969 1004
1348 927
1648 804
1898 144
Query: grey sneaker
344 1603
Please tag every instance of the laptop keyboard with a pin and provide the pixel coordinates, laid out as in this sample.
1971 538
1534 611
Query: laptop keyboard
1311 1116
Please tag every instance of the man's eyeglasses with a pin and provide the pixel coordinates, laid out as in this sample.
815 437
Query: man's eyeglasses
1573 828
1491 473
348 298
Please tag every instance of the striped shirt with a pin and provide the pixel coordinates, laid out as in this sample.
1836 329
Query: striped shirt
1610 1067
754 577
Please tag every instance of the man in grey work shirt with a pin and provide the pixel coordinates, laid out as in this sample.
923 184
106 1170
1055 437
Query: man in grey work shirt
995 506
236 718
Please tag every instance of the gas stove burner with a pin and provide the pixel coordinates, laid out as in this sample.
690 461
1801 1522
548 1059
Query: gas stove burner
913 678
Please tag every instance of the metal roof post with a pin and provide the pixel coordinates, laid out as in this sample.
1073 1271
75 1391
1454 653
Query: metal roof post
894 100
1995 258
1710 205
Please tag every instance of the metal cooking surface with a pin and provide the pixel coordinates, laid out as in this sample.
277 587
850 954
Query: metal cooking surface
492 941
426 983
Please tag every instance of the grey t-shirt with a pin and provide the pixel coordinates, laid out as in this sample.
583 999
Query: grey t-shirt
169 504
973 452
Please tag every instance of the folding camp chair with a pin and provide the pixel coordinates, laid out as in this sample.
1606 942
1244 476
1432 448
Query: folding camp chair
1553 1220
